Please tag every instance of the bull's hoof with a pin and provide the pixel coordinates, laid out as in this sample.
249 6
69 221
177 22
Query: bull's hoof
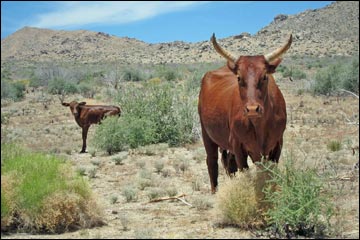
83 151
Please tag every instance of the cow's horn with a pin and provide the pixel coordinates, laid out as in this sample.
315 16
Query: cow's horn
278 52
220 50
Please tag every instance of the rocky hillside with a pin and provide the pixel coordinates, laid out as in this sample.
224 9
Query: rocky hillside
332 30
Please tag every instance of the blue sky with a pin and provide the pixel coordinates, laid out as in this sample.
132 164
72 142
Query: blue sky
150 21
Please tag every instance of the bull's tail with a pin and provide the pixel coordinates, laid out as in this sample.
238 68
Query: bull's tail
228 161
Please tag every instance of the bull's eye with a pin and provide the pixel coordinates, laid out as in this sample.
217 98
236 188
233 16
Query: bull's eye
260 83
241 82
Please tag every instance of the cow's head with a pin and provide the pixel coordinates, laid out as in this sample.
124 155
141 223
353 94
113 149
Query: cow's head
74 107
253 73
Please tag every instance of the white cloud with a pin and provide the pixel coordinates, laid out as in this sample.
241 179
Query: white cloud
76 14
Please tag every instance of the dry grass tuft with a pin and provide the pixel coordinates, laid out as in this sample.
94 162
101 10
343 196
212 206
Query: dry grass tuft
66 212
8 207
239 199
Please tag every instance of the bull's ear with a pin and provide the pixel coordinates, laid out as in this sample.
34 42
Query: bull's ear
82 103
65 104
271 66
232 66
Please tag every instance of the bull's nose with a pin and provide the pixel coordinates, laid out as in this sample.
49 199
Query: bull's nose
253 110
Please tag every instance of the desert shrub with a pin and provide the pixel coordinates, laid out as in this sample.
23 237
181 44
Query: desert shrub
159 165
5 118
152 113
36 82
124 219
132 74
327 80
237 201
86 89
39 193
12 90
59 85
201 203
334 145
144 233
118 134
343 74
120 158
113 199
155 192
166 72
350 76
281 68
297 206
171 191
290 72
130 193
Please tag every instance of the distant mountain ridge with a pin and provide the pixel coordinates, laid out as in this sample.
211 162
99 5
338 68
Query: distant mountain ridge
332 30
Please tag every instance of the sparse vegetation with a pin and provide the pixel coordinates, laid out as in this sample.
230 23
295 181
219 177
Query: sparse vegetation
334 145
92 172
130 193
316 126
159 165
113 199
201 203
155 192
124 219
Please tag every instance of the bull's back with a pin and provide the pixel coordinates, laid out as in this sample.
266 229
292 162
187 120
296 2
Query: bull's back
92 114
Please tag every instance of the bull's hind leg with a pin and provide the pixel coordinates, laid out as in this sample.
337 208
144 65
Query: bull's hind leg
211 149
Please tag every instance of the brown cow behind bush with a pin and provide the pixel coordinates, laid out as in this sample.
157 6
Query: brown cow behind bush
85 115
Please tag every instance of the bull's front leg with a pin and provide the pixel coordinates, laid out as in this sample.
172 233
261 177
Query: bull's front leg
84 136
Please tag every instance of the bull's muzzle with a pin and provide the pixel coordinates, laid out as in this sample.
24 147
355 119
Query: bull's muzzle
253 111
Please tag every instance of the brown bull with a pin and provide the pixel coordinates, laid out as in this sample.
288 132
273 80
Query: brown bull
85 115
242 111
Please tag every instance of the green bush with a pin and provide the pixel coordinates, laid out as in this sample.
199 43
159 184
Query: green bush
297 206
339 75
12 90
59 86
327 80
5 118
295 73
86 89
118 134
166 72
350 76
36 82
132 74
39 193
151 113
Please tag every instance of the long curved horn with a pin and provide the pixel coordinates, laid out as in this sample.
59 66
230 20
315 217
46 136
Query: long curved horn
220 50
278 52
